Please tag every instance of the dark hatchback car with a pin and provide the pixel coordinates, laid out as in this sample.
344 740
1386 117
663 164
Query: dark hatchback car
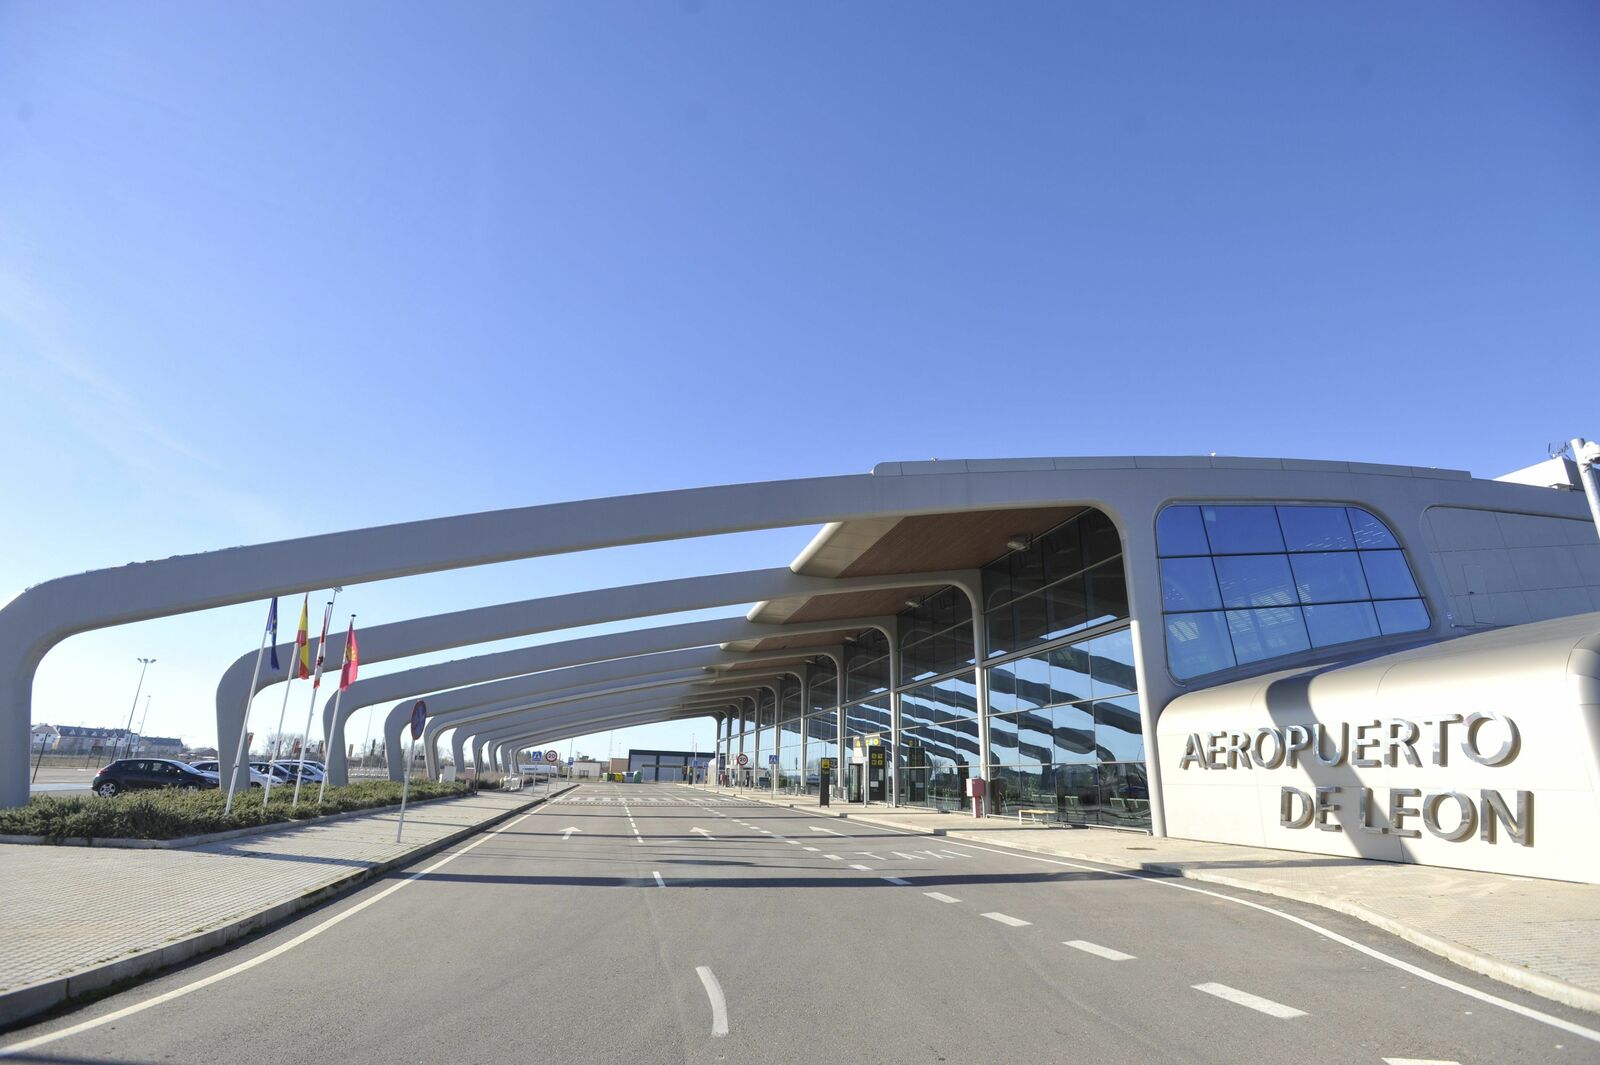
132 774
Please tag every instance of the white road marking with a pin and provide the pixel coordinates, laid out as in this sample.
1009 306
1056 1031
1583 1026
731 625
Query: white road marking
1255 1002
1361 948
1014 922
792 842
907 857
897 880
1097 950
659 882
939 896
282 948
833 857
829 831
863 868
1422 1061
869 854
719 1005
811 849
704 833
567 833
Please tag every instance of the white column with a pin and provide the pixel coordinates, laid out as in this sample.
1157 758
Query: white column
980 678
894 713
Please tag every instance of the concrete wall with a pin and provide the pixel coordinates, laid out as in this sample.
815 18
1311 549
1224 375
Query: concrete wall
1506 568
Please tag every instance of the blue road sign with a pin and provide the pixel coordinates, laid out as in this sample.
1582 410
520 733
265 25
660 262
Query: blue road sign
419 715
772 759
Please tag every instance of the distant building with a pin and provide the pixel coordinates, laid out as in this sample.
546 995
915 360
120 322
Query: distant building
619 765
586 767
668 766
44 737
162 746
77 739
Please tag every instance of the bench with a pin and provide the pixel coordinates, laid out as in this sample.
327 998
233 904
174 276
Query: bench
1035 813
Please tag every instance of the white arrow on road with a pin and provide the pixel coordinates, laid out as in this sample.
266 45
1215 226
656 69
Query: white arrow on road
704 833
829 831
567 834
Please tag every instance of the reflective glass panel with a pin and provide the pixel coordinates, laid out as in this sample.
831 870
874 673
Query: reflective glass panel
1189 584
1328 577
1388 575
1069 673
1111 664
1198 644
1334 623
1108 592
1242 530
1316 529
1402 615
1368 530
1073 734
1067 605
1118 736
1259 634
1179 531
1255 580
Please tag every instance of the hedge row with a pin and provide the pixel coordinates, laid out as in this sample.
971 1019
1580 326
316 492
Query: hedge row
170 813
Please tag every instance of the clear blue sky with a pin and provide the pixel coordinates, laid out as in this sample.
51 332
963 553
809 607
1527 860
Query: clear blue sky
280 269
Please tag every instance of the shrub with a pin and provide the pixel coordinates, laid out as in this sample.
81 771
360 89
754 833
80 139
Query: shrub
170 814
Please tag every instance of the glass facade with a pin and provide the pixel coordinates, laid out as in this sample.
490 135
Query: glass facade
1247 583
1068 580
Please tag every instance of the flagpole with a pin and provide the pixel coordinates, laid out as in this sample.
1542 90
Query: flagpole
316 682
366 741
343 665
244 722
277 738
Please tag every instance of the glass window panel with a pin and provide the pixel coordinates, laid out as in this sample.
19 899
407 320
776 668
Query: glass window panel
1063 551
1315 529
1032 620
1067 604
1003 629
1108 592
1340 623
1402 615
1242 530
1198 644
1034 737
1027 570
1111 664
1100 539
1003 739
1179 531
1388 575
1255 580
1328 577
1259 634
1032 681
1189 584
1073 733
1002 690
1069 673
1118 736
1368 530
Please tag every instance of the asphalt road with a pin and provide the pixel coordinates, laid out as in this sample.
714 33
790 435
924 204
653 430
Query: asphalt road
666 916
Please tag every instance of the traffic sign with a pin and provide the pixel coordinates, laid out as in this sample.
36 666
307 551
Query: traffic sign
772 759
419 715
743 759
552 757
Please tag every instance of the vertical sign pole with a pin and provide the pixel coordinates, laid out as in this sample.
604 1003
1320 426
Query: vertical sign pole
405 788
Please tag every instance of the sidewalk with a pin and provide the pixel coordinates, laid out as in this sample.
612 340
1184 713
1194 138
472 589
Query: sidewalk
74 919
1539 935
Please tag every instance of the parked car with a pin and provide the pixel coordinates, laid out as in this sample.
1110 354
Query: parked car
311 775
278 773
257 778
134 774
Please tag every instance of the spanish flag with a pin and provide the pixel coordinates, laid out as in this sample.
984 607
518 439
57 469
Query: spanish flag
302 644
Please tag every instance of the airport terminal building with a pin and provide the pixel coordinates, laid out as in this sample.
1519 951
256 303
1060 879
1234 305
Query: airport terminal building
1394 662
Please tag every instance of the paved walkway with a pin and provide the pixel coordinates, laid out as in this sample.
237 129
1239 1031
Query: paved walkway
1540 935
66 911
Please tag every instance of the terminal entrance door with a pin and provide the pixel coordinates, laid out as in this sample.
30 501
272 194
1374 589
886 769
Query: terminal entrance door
877 775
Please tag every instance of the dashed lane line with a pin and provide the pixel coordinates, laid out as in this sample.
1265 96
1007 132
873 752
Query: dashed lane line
1249 1001
897 880
659 882
1097 950
863 868
1007 919
939 896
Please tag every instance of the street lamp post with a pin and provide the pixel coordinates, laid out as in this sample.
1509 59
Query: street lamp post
127 732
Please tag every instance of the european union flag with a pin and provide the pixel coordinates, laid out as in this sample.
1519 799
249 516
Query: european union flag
272 631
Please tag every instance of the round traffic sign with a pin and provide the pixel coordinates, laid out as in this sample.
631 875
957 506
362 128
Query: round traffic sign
419 714
743 759
552 757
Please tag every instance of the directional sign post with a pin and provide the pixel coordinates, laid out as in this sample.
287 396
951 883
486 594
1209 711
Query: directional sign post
742 761
419 717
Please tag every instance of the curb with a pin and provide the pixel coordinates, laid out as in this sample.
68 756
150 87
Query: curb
30 999
1505 972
